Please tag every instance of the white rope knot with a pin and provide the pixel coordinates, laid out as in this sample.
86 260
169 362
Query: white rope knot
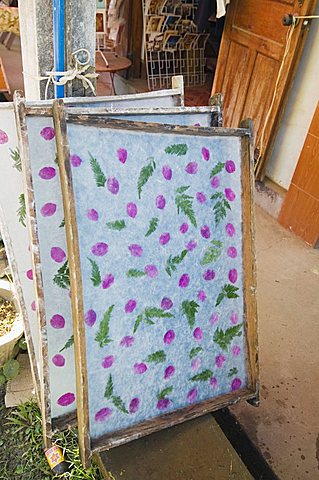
79 71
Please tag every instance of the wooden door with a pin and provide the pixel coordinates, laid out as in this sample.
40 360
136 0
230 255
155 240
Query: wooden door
251 53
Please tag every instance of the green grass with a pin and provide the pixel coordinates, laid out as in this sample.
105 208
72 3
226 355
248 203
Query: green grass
21 452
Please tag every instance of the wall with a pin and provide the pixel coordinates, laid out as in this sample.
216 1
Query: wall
299 112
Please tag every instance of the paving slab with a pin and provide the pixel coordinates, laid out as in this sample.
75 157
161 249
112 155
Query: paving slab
21 388
194 450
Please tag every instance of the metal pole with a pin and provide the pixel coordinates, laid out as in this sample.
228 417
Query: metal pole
58 40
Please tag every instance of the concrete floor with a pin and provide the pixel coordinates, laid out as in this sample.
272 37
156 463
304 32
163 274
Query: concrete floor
286 425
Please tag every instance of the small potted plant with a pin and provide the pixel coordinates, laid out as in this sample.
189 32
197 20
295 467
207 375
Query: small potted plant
11 327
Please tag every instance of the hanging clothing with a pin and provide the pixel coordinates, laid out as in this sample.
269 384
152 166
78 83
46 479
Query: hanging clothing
221 8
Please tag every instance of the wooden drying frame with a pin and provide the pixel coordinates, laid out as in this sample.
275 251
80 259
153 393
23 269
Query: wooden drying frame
88 446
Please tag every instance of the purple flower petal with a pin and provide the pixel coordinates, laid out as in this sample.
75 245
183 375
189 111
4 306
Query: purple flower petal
201 197
236 384
232 252
183 228
103 414
167 172
47 133
48 209
169 337
130 306
201 295
151 271
215 182
58 360
90 318
233 275
75 160
46 173
230 166
100 249
3 137
213 382
214 318
164 238
191 245
113 185
66 399
184 280
136 250
205 231
169 372
230 229
198 334
29 274
229 194
57 254
209 275
220 360
108 361
140 368
122 155
33 306
196 364
127 341
234 318
166 303
134 405
131 209
163 404
160 202
236 350
92 215
205 154
57 321
108 280
192 395
191 168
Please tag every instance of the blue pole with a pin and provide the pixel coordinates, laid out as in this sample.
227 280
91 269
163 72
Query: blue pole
58 40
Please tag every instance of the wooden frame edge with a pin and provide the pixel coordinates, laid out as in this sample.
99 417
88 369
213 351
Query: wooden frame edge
19 105
75 280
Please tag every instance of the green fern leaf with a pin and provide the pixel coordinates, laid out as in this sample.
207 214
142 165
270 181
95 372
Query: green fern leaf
21 212
217 196
172 262
184 204
15 156
68 344
217 169
116 225
157 357
95 275
154 312
203 376
194 352
109 388
152 226
100 178
62 224
177 149
232 372
182 189
138 322
145 174
119 404
228 291
102 336
56 159
164 393
220 210
62 277
224 338
133 273
212 253
190 309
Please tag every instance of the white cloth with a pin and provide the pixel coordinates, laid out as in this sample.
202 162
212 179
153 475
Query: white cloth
221 7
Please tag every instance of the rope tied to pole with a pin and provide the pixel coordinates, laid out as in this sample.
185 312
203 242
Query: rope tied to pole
79 71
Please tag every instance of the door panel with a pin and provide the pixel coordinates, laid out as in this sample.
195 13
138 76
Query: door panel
250 56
